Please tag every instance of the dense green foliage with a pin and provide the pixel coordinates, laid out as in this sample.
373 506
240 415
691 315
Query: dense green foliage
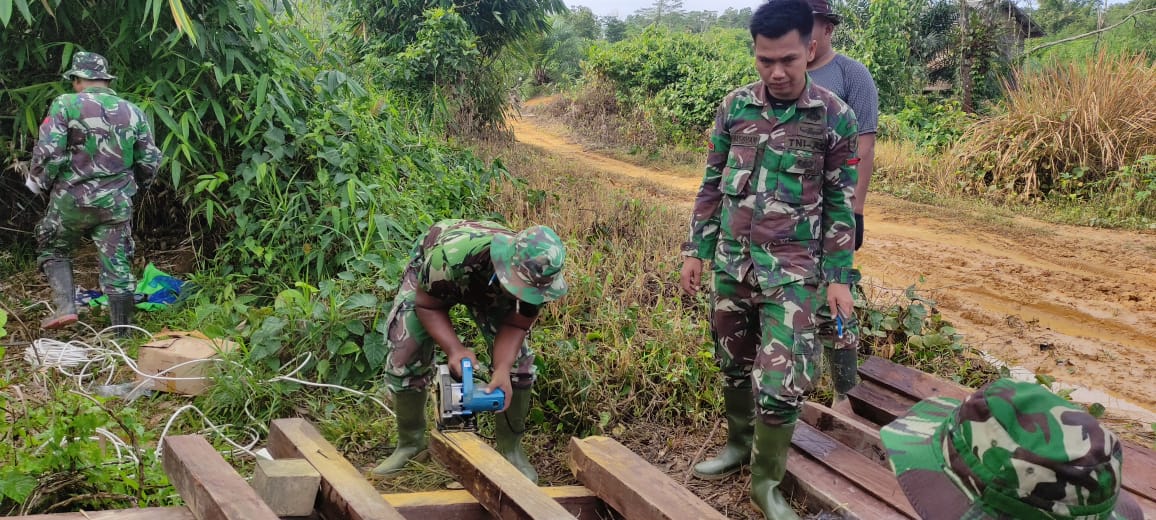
676 80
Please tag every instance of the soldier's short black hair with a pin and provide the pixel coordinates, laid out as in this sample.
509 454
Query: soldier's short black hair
776 18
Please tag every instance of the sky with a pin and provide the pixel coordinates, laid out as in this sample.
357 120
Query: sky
623 8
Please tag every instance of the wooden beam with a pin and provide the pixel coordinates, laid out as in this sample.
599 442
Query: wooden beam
345 494
819 489
461 505
876 480
211 488
864 440
910 382
631 485
876 403
499 487
148 513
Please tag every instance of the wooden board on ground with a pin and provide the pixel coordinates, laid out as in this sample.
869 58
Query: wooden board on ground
877 403
461 505
910 382
498 485
884 379
148 513
842 460
847 430
210 487
631 485
345 494
819 489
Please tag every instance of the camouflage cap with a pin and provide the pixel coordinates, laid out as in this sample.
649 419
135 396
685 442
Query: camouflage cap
1012 450
88 65
529 264
823 8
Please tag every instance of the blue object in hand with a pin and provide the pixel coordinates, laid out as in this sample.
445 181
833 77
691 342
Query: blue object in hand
476 399
839 324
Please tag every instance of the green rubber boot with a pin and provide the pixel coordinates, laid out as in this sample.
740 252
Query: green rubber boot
844 365
120 308
740 411
59 274
411 440
768 466
508 430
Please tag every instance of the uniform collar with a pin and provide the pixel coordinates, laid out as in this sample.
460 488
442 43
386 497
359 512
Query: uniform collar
98 90
808 99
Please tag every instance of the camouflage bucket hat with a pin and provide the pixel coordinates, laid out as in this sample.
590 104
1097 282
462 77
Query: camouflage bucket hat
1010 451
823 8
529 264
88 65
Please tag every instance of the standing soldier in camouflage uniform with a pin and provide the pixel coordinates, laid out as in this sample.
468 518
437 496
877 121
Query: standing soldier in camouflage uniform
1011 451
95 151
503 279
774 216
852 82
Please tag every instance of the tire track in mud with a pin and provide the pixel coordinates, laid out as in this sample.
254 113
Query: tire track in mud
1076 303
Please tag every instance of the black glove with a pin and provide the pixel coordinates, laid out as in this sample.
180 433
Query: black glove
858 231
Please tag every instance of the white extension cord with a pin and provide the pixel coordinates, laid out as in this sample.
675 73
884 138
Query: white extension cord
89 362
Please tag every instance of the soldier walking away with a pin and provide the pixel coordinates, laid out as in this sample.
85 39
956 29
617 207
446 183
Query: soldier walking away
1010 451
774 217
94 153
502 279
852 82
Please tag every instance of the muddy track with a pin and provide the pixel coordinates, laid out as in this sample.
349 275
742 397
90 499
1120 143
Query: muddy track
1076 303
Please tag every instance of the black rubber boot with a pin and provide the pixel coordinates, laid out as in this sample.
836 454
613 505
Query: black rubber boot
844 368
120 308
509 427
59 274
768 467
411 439
740 412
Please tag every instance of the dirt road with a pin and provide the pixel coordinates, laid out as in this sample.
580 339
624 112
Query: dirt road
1076 303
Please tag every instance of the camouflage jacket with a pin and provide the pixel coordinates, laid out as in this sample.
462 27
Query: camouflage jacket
776 196
453 264
95 146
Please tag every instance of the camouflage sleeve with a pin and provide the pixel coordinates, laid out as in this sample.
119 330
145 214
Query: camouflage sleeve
146 155
840 177
51 152
704 222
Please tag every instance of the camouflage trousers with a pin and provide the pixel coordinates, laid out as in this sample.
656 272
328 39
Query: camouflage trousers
409 365
66 222
828 330
767 340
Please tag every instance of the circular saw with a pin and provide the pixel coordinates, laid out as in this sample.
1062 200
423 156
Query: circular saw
459 402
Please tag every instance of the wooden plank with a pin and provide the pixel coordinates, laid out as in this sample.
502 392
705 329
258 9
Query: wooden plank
461 505
819 489
148 513
876 403
876 480
345 494
854 434
631 485
496 483
1140 470
1147 505
910 382
209 485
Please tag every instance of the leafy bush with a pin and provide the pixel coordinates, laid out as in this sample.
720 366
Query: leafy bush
932 125
674 80
57 457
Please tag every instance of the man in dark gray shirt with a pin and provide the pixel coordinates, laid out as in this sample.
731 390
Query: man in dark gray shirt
852 82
